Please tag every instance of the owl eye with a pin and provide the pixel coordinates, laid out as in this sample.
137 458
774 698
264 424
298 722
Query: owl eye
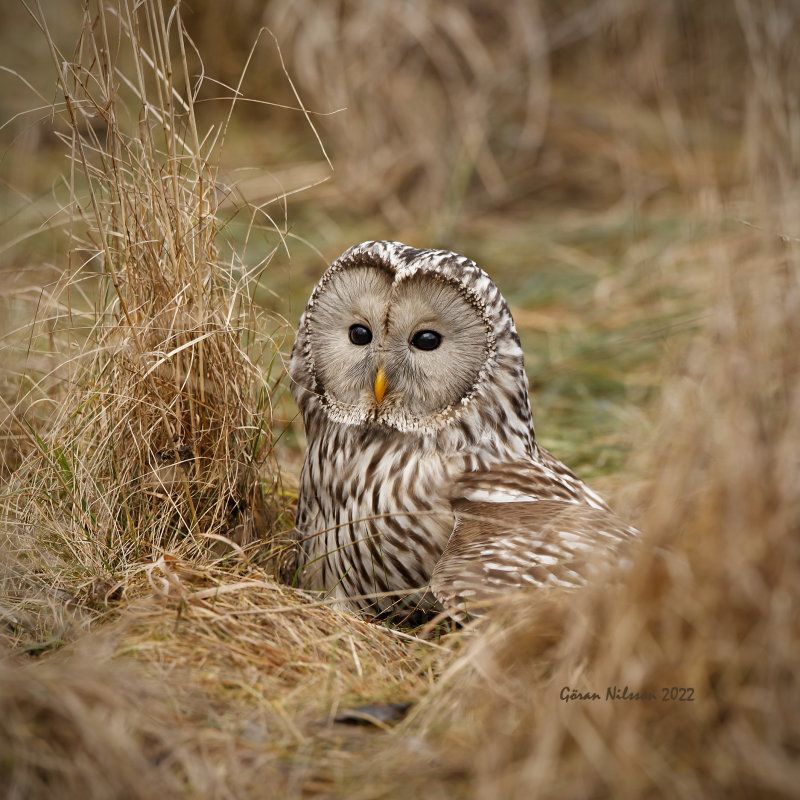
426 340
360 335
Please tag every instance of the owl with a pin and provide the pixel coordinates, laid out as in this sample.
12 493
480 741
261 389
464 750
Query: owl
423 483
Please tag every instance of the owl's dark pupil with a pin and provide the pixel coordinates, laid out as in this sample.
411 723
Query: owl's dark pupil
426 340
360 335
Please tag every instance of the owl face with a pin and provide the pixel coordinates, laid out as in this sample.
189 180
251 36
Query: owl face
399 344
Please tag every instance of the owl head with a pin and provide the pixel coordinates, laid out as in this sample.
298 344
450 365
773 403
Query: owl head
411 340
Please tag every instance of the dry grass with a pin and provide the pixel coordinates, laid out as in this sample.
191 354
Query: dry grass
709 606
246 631
436 117
160 421
143 512
76 728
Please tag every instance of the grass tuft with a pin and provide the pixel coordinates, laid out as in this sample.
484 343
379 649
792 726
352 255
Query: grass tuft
160 433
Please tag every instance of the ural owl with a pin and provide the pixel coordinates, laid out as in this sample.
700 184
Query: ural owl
422 470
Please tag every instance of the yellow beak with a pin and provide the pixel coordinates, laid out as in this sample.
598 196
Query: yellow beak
380 384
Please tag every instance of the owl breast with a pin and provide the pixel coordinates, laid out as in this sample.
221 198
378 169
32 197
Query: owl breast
373 515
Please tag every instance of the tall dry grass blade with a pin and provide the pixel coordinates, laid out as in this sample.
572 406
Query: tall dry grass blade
165 425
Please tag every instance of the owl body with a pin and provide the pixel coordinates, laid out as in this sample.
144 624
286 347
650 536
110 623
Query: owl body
409 375
369 528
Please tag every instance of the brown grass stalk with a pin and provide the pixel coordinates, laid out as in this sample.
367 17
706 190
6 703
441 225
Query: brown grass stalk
166 422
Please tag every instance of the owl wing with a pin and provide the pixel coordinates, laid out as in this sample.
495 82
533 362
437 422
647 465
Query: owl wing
522 529
544 479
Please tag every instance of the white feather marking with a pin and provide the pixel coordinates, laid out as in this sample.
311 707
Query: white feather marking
570 536
504 583
607 534
580 547
593 498
500 567
545 560
498 496
551 578
519 541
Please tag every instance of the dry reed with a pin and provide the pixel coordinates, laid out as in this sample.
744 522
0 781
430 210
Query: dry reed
162 423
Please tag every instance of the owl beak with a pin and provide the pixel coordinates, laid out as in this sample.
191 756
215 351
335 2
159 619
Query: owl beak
380 384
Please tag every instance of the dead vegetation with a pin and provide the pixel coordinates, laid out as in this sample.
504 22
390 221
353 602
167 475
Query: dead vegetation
161 422
150 648
705 624
82 729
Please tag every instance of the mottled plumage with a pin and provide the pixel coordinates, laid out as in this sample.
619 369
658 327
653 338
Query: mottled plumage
408 371
499 547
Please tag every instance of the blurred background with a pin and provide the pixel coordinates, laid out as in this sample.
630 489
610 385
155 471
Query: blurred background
586 154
